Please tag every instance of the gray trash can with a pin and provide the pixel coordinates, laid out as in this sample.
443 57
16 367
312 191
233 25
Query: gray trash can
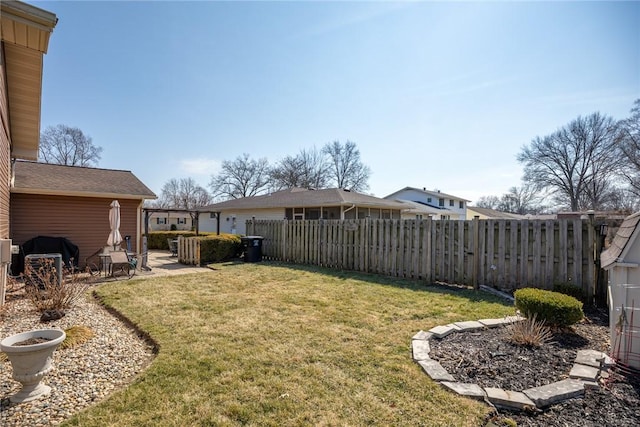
252 248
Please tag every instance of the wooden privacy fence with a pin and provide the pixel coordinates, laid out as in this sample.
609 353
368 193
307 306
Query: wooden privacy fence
189 250
506 254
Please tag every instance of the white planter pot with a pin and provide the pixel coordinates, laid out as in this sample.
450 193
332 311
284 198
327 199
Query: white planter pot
31 363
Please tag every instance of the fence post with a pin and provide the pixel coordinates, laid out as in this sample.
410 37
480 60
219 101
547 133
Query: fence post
592 271
475 255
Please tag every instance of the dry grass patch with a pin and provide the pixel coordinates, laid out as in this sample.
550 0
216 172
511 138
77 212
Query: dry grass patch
273 345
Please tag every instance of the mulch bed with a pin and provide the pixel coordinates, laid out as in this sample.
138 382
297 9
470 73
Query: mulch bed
487 359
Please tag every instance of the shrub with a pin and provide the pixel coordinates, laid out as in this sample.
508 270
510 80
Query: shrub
174 227
530 332
158 239
568 289
219 248
77 335
47 295
553 308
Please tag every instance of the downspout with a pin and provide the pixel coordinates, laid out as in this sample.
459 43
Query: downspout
346 210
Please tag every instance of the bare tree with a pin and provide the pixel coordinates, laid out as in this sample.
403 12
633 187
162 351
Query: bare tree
347 169
308 169
65 145
488 202
243 177
629 142
183 193
576 163
521 200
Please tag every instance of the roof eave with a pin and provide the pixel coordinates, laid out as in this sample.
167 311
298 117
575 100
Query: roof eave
25 32
47 192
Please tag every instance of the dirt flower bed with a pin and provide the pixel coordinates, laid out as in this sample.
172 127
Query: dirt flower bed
487 359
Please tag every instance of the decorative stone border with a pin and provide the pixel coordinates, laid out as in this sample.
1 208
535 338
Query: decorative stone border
588 366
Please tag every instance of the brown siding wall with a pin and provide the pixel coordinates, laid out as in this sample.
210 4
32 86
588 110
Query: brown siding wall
82 220
5 152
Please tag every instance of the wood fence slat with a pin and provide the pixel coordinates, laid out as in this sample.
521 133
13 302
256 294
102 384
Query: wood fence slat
507 254
550 235
513 252
537 252
460 241
501 264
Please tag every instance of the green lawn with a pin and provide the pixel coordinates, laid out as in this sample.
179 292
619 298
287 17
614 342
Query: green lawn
276 345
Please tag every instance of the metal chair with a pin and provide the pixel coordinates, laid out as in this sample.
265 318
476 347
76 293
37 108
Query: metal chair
119 262
173 246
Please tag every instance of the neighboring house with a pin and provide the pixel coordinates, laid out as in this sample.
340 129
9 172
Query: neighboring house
486 213
73 202
443 206
420 211
162 221
24 39
297 203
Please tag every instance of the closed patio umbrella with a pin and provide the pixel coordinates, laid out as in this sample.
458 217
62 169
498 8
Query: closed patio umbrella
114 222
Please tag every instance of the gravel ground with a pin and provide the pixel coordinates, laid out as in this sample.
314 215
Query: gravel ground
82 375
486 359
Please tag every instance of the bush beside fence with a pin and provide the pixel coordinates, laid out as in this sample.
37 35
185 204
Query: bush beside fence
202 250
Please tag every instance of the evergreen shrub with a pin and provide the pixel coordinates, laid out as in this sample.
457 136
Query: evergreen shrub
553 308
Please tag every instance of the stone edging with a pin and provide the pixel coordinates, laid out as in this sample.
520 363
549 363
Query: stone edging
588 366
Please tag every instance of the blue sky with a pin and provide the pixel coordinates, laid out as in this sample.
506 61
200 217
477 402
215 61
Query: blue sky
435 94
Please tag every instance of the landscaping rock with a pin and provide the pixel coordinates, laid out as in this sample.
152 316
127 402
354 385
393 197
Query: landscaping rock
470 325
555 392
473 391
422 335
420 349
435 370
509 399
590 358
441 331
584 372
492 323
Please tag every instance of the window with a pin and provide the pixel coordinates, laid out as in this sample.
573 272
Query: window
440 202
182 220
428 199
312 213
160 221
450 202
461 205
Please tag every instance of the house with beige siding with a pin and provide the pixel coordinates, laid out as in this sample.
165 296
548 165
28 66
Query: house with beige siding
73 202
170 220
24 39
486 213
297 204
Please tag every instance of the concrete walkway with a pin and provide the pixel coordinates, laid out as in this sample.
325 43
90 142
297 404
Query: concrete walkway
161 263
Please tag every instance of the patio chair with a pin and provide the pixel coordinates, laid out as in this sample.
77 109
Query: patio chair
173 246
119 262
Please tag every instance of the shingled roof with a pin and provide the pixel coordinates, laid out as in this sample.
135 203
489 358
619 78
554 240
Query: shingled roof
301 197
615 253
494 214
61 180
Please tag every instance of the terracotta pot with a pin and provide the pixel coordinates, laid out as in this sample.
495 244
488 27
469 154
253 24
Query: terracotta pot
31 363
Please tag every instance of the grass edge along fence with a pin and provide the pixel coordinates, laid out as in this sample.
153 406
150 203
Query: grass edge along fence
505 254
